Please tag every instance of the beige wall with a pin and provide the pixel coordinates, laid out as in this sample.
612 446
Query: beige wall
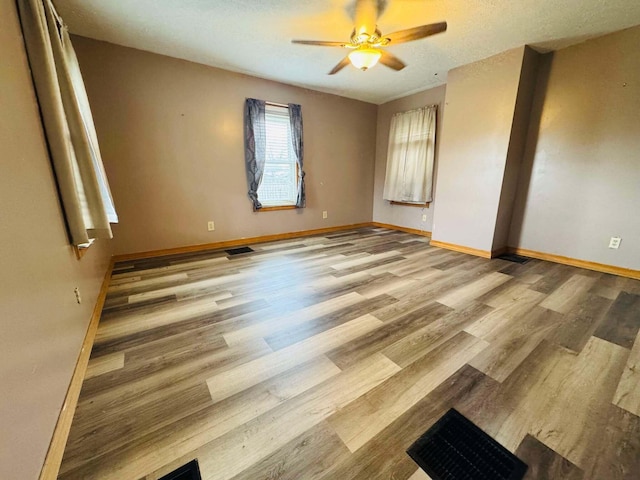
383 211
479 108
42 326
171 134
581 177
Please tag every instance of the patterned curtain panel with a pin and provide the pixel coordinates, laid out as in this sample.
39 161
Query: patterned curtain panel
411 155
68 123
255 145
295 116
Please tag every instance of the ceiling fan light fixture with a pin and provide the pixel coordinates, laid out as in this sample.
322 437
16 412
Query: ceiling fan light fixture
365 58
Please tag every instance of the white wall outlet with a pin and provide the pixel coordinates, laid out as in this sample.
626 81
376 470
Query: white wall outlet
211 226
324 214
615 242
76 291
424 218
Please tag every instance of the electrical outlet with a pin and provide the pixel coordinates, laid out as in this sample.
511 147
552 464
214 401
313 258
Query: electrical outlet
424 218
76 291
324 214
615 242
211 226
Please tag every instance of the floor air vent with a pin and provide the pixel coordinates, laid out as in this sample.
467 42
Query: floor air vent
239 250
455 449
190 471
512 257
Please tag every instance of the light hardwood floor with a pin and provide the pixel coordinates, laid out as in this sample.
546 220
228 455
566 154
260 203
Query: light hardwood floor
326 357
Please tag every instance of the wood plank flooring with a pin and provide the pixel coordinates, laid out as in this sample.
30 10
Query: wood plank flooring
325 357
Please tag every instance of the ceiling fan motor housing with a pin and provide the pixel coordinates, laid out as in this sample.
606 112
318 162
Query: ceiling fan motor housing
364 38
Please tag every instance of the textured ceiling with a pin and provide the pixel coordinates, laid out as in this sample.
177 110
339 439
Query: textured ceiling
253 37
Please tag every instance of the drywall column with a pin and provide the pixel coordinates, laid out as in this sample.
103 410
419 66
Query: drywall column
580 180
517 143
487 107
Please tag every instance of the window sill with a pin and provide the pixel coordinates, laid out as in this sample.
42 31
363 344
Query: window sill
80 250
406 204
277 207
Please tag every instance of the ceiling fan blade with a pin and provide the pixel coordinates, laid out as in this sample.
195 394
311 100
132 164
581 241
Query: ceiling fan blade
343 63
416 33
319 43
365 16
391 61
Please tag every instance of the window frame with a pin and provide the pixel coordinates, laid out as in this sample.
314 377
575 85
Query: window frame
283 206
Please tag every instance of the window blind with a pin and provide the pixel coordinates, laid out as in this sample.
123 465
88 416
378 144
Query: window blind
278 185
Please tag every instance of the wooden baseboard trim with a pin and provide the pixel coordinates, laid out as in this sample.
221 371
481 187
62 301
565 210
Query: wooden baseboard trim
574 262
53 459
415 231
463 249
234 243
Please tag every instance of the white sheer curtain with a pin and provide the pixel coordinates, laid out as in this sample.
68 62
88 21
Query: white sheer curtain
411 156
68 124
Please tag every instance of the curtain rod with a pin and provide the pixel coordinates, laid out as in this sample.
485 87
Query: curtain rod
416 109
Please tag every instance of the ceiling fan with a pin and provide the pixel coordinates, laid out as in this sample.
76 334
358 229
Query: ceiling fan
366 40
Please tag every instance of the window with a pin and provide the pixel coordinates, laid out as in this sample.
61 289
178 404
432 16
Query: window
274 155
68 124
279 185
410 157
